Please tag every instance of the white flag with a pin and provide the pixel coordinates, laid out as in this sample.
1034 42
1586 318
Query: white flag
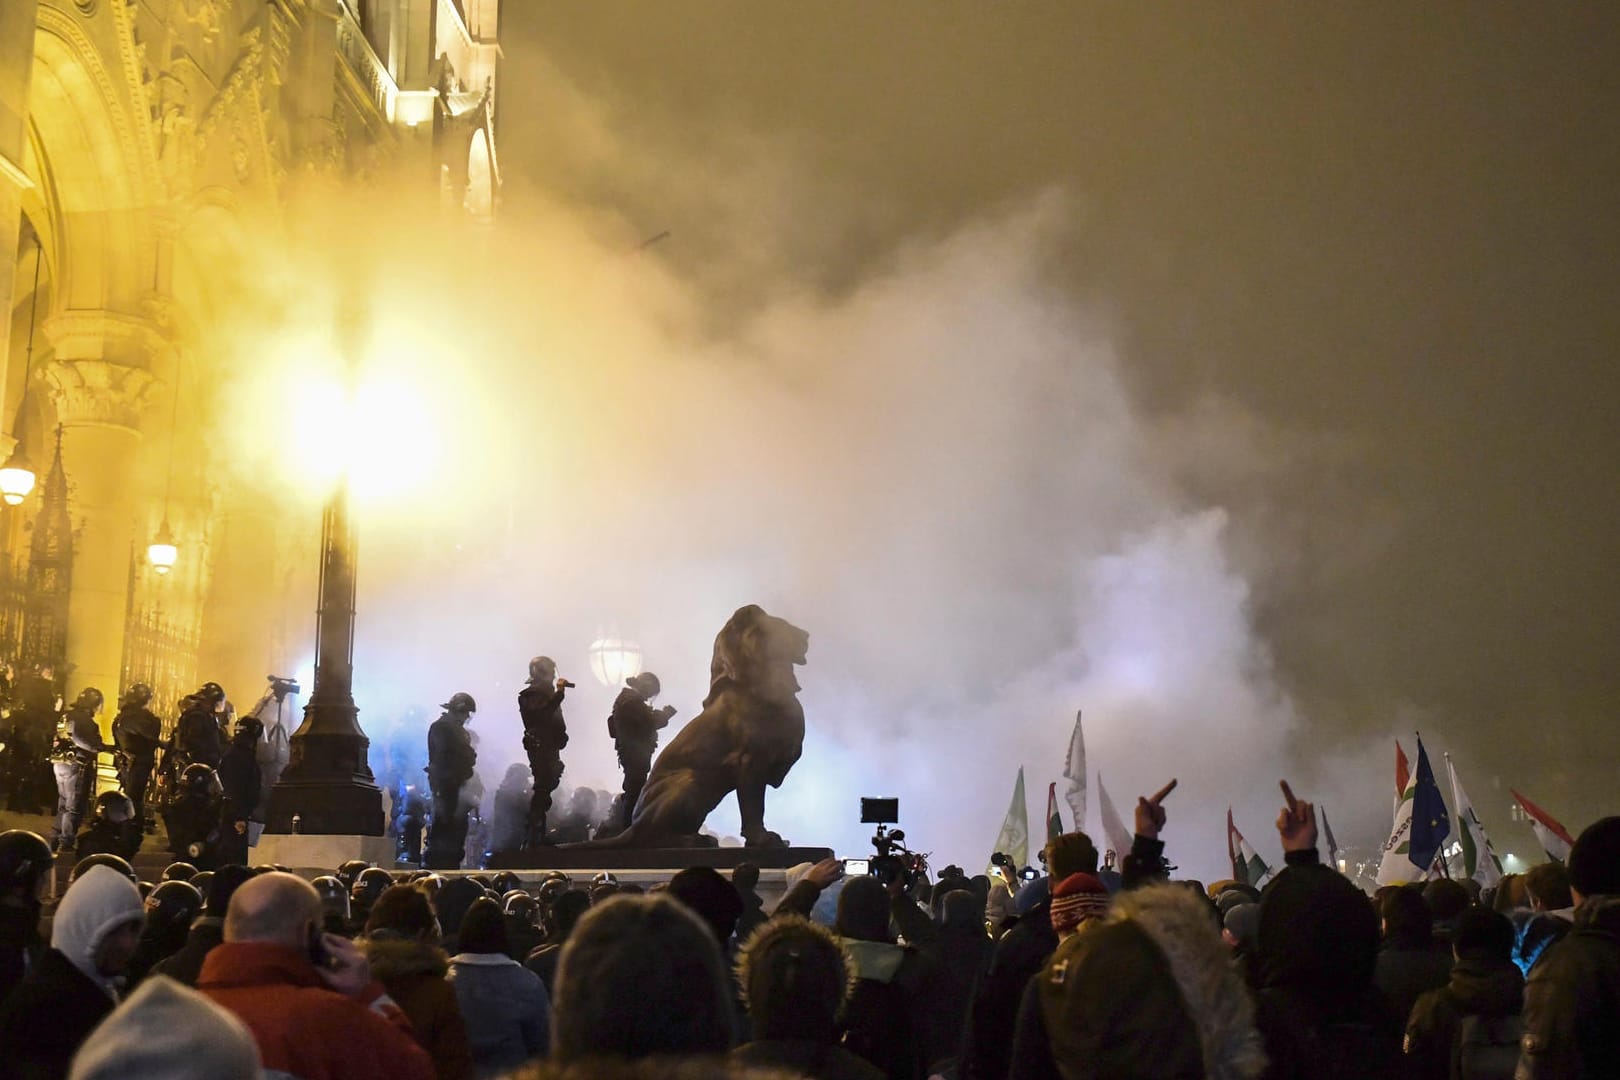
1074 771
1013 840
1114 830
1397 867
1479 858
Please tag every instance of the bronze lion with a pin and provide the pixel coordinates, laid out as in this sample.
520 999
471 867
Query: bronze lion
749 734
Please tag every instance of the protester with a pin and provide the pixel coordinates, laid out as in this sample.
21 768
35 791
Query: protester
795 982
401 942
1446 901
640 977
503 1005
25 874
75 984
170 910
1484 996
745 879
165 1031
1551 914
1572 1001
309 999
566 912
207 930
1411 961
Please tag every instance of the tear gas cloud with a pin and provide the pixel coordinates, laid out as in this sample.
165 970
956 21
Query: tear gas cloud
937 471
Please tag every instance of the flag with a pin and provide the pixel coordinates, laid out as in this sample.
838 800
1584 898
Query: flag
1013 840
1430 822
1421 825
1333 845
1555 839
1247 866
1479 860
1054 820
1074 771
1114 830
1403 776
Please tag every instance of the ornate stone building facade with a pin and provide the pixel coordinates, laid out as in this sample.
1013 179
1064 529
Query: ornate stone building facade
135 135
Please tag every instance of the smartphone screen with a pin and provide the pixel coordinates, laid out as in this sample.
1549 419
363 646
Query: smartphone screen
857 867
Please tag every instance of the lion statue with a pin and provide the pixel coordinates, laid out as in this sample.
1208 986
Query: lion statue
749 734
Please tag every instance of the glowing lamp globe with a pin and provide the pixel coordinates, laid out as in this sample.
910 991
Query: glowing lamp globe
16 478
613 660
162 552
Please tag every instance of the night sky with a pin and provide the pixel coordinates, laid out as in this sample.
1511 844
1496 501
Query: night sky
1389 236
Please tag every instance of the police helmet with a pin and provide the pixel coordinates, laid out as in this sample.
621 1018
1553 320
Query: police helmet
25 862
90 698
646 684
461 701
334 896
210 692
551 890
369 885
172 904
112 862
138 695
351 870
542 669
200 779
522 906
505 881
604 878
114 806
178 871
203 882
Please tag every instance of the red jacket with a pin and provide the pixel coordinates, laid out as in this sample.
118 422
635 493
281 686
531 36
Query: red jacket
303 1028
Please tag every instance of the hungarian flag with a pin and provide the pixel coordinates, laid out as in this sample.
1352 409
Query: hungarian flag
1074 771
1114 830
1247 866
1555 839
1054 820
1013 840
1403 776
1333 845
1479 861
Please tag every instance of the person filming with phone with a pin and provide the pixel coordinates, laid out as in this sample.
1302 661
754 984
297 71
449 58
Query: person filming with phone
307 997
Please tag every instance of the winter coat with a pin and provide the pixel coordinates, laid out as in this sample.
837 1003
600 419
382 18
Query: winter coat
47 1017
413 972
883 1020
1572 1001
993 1015
197 734
543 962
239 776
1318 1010
800 1058
166 1030
506 1010
1404 975
451 756
1147 993
207 931
1478 987
20 944
304 1028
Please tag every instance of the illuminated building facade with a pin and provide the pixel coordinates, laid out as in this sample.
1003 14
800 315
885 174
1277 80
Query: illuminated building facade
135 136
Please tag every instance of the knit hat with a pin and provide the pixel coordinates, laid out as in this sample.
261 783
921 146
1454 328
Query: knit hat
166 1031
100 901
1594 861
1077 898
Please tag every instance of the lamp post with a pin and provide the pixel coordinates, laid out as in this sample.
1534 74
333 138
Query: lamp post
17 475
328 784
613 660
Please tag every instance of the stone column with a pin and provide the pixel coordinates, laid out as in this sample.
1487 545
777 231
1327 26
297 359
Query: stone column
98 402
16 71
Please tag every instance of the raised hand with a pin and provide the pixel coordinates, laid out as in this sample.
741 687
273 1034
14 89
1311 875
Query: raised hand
824 873
1150 814
1296 825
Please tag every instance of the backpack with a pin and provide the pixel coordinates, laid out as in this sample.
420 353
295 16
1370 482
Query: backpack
1487 1047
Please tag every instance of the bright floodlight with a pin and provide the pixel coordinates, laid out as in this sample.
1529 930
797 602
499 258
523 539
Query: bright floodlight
613 660
162 552
16 477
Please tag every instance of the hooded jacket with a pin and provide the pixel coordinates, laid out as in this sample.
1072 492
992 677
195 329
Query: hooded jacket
413 972
882 1019
165 1031
1478 987
1149 993
505 1008
1572 1002
63 997
303 1028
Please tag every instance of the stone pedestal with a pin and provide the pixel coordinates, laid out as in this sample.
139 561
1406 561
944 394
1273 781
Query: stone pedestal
571 857
313 856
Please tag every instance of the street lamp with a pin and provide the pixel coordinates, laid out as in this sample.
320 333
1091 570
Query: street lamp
162 552
613 660
17 475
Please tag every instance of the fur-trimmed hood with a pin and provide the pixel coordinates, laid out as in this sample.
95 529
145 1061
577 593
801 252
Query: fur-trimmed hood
397 958
1180 924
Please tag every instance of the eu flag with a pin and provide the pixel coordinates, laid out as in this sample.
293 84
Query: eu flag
1430 822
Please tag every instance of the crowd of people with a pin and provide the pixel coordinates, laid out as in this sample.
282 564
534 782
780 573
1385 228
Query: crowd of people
372 972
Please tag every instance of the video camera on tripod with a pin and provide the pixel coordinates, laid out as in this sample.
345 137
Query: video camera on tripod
893 860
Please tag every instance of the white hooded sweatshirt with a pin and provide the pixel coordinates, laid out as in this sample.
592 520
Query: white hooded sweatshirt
94 906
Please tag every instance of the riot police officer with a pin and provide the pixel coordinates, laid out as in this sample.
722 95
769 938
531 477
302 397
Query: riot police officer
194 819
451 758
544 736
138 733
634 725
74 762
115 830
198 735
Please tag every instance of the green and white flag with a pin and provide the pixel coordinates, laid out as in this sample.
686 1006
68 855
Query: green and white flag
1247 866
1013 839
1479 858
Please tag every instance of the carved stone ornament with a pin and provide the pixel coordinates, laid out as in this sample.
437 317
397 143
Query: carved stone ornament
98 392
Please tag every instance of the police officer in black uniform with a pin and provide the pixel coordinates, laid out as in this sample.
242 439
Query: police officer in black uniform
74 762
544 736
451 758
139 735
634 725
198 735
